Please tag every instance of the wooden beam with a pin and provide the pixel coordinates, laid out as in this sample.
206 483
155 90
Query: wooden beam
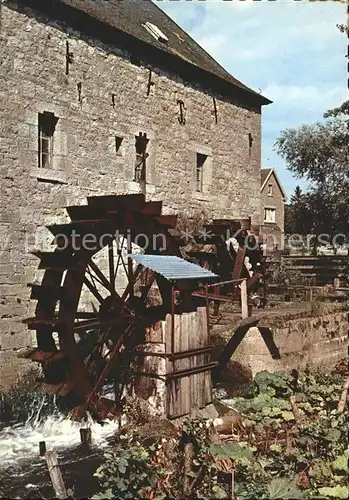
244 304
239 262
234 342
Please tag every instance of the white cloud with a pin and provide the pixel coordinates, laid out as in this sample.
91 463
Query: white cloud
307 97
291 50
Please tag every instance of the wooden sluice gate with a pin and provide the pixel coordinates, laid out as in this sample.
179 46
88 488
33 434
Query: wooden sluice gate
177 353
177 359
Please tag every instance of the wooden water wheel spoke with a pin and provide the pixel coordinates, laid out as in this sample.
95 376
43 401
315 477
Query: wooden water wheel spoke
126 270
119 252
112 271
101 342
94 279
85 325
93 290
86 315
130 286
102 280
106 369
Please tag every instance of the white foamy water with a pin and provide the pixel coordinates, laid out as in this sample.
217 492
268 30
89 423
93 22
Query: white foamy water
21 441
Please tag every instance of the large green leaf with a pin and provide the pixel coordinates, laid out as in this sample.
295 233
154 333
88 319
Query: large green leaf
104 495
341 463
283 489
287 416
233 451
335 492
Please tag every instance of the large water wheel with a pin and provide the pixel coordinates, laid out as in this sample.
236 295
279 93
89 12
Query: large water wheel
230 248
93 306
85 321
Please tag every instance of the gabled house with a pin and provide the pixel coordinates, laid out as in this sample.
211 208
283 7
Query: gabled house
273 199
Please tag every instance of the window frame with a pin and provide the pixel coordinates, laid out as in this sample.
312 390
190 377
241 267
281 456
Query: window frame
270 190
118 144
270 210
140 169
199 171
46 129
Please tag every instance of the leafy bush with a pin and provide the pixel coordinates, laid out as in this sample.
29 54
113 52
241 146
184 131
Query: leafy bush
275 457
126 473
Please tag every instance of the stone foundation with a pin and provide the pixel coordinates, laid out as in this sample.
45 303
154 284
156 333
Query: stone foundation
315 338
14 370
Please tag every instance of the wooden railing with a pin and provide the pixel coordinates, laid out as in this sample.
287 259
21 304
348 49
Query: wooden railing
322 270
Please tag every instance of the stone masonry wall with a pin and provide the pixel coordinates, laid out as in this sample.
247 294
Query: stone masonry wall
33 80
319 340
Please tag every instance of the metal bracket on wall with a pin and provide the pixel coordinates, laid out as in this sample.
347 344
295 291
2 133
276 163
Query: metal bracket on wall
250 140
150 82
181 117
69 58
215 110
80 92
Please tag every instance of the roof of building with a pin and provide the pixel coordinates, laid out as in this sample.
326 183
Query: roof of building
173 268
265 176
129 16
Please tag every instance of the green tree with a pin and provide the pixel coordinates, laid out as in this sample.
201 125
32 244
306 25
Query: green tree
297 214
319 154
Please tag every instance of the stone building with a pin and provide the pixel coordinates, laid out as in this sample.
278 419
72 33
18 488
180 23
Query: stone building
105 97
273 199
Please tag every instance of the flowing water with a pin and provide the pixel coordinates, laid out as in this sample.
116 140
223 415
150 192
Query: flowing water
23 473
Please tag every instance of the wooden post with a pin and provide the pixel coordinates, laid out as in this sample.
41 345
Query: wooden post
130 265
309 295
295 410
56 475
343 399
207 304
42 448
86 436
233 484
172 324
216 303
244 305
188 461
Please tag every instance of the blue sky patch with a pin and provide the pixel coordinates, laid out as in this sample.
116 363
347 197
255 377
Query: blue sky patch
291 51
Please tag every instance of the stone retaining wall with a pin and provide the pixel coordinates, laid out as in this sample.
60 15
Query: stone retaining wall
309 340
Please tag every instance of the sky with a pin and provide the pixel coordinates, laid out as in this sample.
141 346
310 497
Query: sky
290 50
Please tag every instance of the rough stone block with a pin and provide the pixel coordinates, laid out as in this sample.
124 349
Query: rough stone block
15 341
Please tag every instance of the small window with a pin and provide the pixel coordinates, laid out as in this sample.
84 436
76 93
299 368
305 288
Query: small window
141 157
200 164
47 125
270 190
118 142
269 215
155 32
